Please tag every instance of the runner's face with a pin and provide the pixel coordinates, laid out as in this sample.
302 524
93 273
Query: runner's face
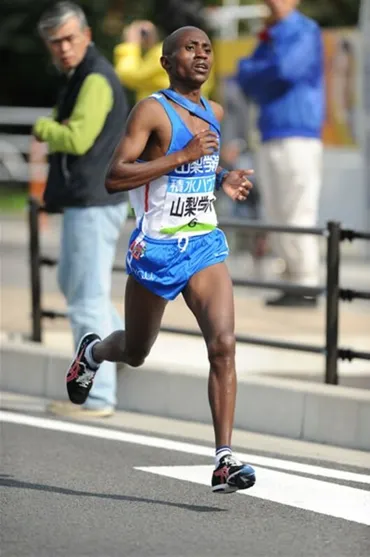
68 44
193 58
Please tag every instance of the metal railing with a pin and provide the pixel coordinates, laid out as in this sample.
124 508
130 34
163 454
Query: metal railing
15 147
334 235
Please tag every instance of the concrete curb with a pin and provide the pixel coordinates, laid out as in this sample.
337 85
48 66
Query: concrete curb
333 415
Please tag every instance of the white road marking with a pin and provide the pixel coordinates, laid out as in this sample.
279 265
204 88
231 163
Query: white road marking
295 491
306 493
178 446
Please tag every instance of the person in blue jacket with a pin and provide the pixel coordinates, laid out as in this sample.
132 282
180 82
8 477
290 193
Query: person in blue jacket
285 77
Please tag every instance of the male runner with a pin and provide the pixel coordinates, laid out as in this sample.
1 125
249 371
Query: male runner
171 145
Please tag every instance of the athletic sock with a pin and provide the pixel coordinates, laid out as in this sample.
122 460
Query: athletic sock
89 356
222 451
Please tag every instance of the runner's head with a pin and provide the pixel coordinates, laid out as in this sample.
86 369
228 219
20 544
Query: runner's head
187 56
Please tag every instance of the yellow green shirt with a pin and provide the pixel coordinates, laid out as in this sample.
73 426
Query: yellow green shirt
77 136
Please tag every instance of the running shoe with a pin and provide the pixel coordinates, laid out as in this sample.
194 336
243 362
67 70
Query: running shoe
231 475
80 375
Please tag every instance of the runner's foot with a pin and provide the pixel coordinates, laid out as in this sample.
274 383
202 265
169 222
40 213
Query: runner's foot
80 375
232 475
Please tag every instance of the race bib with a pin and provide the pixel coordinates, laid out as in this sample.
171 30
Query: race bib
188 204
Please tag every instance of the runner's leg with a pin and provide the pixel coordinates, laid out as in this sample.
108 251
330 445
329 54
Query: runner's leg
209 295
143 315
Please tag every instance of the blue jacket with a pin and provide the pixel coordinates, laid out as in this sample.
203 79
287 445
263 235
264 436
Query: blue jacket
285 77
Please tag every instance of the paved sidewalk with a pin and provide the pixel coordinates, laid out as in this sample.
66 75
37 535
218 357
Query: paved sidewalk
252 317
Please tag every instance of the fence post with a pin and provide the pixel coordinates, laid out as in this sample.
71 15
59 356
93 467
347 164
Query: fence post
35 274
332 302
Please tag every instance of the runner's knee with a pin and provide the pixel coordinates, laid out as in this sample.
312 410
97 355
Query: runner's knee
136 358
221 349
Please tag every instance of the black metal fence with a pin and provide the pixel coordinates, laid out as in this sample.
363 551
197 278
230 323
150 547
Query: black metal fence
334 235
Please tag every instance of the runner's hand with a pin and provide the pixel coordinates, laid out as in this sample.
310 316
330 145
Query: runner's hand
204 143
236 184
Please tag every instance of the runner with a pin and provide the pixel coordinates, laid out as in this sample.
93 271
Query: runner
171 144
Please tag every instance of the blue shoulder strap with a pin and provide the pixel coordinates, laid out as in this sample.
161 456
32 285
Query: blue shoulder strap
204 114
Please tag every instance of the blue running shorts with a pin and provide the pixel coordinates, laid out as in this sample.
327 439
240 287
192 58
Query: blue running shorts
165 266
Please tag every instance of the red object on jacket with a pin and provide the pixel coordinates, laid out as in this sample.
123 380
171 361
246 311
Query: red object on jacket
264 35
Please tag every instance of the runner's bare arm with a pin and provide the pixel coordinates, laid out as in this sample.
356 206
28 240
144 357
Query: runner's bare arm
218 110
219 113
126 174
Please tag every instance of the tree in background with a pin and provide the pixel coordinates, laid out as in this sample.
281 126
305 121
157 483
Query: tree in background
332 13
28 78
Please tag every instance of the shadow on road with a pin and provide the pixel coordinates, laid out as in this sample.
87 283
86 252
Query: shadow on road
7 481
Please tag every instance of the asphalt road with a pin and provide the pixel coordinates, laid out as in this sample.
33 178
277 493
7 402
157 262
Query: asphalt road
76 490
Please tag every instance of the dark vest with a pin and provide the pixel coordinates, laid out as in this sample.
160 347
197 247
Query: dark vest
78 181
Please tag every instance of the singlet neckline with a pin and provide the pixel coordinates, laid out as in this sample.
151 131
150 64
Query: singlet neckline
171 104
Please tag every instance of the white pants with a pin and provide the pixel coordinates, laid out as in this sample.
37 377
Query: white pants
289 172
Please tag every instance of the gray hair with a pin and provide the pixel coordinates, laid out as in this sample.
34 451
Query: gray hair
59 14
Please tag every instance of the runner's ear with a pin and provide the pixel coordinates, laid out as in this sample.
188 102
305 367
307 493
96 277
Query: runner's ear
166 64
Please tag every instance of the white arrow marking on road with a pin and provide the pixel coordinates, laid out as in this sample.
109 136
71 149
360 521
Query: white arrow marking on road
178 446
295 491
271 485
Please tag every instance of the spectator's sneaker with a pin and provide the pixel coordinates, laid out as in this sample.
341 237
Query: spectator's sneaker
66 409
293 301
231 475
80 375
